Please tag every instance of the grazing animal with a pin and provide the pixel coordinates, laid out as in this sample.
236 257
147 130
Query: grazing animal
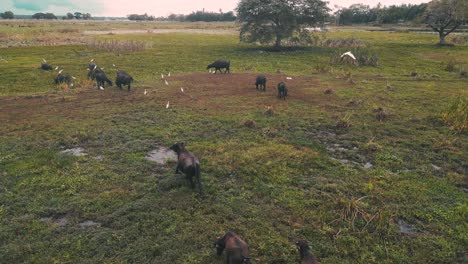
187 163
92 70
123 78
237 251
261 81
63 78
282 90
45 66
101 79
220 64
306 256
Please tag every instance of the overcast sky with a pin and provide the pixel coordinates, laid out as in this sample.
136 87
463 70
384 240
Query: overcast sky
121 8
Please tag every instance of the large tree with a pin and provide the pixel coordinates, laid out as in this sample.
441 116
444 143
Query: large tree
7 15
444 16
268 21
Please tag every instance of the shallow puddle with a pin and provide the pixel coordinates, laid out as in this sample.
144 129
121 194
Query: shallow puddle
89 223
74 151
162 155
59 221
406 228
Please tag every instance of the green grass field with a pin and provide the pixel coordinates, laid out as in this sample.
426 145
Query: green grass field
318 166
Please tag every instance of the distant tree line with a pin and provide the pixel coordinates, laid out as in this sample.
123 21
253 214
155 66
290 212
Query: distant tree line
192 17
144 17
76 15
361 14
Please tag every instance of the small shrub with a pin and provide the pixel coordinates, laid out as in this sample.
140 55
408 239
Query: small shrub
463 73
269 111
371 146
455 114
382 114
322 69
459 39
86 84
270 132
328 91
250 124
451 66
114 45
344 123
343 43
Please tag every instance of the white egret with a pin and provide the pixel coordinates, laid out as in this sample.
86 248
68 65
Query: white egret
166 82
60 71
145 92
288 78
100 87
167 105
348 54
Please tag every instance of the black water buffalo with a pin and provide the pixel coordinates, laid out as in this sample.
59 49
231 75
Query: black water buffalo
188 164
123 78
93 69
237 251
282 90
261 81
63 78
220 64
101 79
306 256
45 66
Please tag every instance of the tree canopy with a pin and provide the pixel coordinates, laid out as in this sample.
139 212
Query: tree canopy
44 16
444 16
272 21
7 15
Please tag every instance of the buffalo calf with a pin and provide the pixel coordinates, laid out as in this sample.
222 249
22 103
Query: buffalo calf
188 164
63 78
45 66
282 90
123 78
261 81
237 251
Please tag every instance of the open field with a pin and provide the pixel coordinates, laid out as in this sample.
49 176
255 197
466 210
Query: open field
318 166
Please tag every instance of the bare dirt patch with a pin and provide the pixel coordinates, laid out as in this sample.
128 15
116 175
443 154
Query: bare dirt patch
216 92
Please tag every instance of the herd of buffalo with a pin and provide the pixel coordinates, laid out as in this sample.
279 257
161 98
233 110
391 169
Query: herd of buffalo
123 78
237 251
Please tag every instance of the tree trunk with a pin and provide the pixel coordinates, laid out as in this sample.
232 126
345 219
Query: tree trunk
441 38
278 42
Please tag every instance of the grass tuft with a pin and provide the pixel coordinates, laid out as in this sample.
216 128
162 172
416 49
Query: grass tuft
455 114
